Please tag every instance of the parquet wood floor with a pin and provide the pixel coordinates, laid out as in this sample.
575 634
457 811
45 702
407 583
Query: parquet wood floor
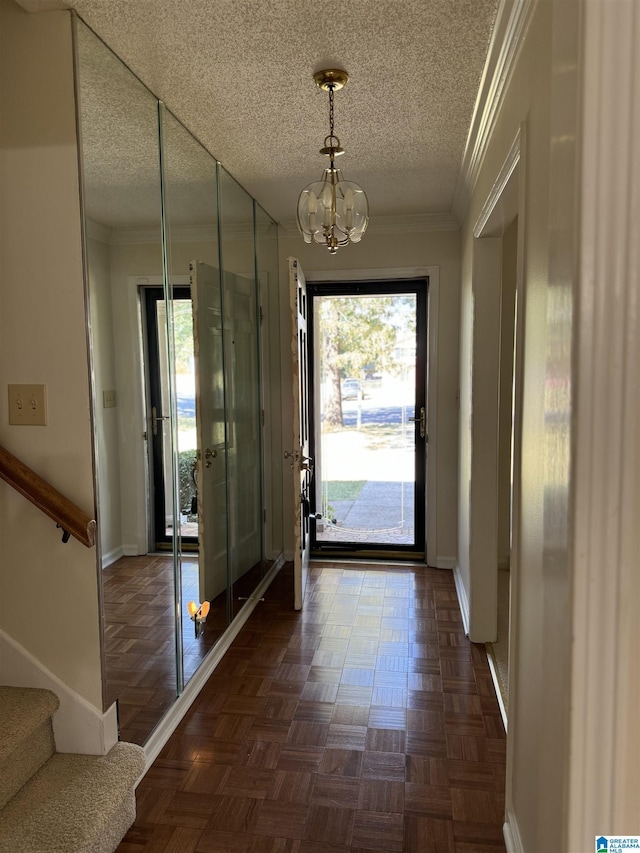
366 723
140 641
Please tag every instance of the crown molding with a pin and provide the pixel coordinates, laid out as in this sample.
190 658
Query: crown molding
420 222
512 21
96 231
183 233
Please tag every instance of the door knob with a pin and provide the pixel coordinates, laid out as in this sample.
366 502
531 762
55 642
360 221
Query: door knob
209 454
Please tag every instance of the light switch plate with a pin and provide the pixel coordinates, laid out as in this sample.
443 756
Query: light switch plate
108 399
28 405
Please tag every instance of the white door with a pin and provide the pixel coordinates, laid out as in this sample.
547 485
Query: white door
301 463
242 392
210 429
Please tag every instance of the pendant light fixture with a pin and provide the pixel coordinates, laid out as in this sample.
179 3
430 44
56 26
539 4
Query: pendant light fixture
332 212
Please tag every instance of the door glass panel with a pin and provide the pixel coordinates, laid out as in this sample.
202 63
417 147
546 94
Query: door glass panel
190 196
367 404
242 382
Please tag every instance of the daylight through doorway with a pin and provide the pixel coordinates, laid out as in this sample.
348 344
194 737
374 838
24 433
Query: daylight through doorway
369 404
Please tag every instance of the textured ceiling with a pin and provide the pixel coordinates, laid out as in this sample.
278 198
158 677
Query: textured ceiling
238 73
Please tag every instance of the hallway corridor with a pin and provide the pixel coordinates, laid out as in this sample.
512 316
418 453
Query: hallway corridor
365 723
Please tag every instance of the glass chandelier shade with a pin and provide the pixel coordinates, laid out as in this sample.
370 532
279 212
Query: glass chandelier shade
332 212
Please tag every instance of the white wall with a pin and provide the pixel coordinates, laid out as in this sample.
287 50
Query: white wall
48 591
538 691
382 250
507 316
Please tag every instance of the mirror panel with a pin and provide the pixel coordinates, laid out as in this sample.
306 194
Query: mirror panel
186 386
191 221
242 382
122 206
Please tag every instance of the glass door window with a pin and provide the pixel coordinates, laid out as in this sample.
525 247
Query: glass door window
369 417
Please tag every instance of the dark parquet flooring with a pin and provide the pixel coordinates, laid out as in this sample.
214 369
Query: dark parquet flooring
365 723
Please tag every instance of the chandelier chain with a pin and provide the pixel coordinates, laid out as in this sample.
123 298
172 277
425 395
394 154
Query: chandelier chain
331 111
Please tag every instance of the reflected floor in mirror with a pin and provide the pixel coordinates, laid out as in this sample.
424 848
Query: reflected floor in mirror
140 648
367 722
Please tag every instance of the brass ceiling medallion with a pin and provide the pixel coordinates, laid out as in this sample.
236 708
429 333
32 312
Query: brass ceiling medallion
332 212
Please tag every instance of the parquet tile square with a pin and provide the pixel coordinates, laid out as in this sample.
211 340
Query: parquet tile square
331 824
366 723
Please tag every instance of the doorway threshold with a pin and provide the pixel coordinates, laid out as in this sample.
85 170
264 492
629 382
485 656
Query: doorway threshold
377 557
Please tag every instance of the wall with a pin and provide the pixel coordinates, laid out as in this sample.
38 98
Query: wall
538 699
507 316
391 250
48 591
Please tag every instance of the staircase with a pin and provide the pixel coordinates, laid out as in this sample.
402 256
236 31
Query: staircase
52 802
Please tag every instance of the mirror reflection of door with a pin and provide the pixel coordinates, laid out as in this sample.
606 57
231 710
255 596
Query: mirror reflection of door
368 345
159 446
211 439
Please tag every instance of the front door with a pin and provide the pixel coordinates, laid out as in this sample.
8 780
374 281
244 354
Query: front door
157 382
301 463
368 349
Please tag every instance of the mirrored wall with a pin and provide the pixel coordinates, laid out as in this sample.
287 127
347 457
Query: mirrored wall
181 266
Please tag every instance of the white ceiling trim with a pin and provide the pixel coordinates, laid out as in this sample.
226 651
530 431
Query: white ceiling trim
96 231
420 223
177 233
508 35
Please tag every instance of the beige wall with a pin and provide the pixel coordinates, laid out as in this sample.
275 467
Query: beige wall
48 591
394 250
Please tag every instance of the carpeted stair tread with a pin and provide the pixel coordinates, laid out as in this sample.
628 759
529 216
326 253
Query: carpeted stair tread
74 804
22 711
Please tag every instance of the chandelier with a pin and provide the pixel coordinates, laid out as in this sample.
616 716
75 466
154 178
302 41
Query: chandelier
332 212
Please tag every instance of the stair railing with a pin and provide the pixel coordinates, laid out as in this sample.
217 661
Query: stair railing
73 521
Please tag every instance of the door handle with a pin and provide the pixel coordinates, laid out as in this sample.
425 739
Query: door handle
210 454
422 420
155 417
306 464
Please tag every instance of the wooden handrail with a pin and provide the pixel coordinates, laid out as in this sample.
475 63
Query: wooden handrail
64 512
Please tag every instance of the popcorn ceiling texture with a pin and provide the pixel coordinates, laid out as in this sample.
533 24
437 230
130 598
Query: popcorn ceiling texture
238 73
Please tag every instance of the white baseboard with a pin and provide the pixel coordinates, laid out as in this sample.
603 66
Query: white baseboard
463 601
512 839
111 556
132 551
78 726
496 687
288 556
172 718
445 562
